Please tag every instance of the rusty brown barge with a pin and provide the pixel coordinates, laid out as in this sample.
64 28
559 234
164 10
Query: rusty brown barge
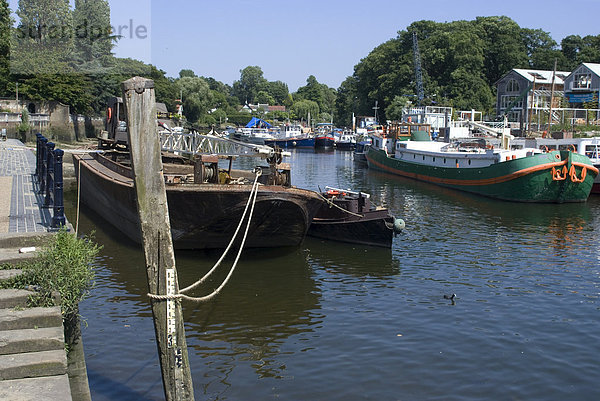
206 202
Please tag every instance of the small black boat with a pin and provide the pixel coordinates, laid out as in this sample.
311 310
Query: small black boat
349 216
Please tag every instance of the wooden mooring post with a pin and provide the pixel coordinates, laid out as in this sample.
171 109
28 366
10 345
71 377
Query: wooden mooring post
140 108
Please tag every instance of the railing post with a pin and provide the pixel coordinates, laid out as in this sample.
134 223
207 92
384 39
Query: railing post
38 139
58 220
43 156
49 174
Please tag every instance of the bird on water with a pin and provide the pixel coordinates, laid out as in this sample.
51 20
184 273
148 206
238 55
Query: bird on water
450 297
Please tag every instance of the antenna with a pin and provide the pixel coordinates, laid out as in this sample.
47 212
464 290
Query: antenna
376 108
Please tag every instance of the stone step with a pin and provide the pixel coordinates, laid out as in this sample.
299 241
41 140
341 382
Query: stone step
31 340
33 364
10 273
13 298
11 319
48 388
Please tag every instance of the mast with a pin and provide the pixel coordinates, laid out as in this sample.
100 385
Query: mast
418 71
552 96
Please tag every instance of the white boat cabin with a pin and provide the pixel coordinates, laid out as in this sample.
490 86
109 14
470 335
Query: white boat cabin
454 155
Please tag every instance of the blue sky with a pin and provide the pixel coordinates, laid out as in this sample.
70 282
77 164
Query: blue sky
291 40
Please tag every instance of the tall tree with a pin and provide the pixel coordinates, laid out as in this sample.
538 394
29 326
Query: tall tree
251 81
44 40
196 97
92 33
5 30
503 46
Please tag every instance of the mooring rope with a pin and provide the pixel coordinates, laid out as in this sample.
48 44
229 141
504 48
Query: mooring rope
341 208
181 294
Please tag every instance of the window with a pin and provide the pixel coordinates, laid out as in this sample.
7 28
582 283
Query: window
582 81
506 100
512 86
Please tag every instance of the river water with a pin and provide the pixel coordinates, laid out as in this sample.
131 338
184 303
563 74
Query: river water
331 321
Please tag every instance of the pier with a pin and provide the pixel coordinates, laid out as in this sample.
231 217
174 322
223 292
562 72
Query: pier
33 361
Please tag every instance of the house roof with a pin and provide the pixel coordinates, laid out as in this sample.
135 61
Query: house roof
161 108
542 76
594 67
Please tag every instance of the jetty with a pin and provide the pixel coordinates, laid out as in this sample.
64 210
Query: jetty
33 361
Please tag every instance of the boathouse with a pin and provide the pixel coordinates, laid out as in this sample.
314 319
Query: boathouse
582 86
521 91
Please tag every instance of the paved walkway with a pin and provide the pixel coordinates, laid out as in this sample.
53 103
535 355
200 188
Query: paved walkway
20 203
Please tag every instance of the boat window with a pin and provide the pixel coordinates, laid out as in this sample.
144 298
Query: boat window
423 157
469 161
414 156
434 159
444 160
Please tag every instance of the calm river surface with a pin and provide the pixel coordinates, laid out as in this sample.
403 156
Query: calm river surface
330 321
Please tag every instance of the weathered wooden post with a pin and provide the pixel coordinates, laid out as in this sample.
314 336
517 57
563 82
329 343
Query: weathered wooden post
140 108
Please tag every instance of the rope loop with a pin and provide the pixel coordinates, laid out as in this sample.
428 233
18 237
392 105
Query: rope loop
181 293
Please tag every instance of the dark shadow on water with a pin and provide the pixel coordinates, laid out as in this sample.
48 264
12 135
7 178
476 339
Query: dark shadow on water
112 389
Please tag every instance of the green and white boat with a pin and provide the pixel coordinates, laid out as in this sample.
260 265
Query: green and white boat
521 175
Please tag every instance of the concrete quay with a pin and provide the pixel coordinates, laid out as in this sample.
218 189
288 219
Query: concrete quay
33 361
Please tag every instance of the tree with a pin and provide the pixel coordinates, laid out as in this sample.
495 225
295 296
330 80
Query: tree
503 46
346 101
394 110
5 30
92 34
251 81
186 73
43 41
302 108
196 97
264 97
278 90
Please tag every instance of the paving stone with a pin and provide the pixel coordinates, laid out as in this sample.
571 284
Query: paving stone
11 319
31 340
51 388
33 364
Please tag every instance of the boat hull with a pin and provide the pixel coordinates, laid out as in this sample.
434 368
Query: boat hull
370 230
324 142
202 216
527 179
345 145
291 143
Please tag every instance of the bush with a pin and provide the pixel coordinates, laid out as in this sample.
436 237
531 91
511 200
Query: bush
65 266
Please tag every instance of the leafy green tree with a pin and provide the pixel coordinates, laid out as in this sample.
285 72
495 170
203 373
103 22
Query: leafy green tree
278 90
264 97
186 73
5 33
302 108
542 50
503 46
346 101
196 97
43 42
92 34
394 110
250 83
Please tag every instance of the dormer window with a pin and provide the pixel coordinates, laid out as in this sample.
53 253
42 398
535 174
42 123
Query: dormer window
582 81
512 86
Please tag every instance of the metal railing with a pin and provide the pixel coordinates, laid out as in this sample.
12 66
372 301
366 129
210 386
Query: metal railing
49 174
192 143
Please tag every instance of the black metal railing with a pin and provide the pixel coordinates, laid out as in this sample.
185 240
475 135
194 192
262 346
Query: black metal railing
49 173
